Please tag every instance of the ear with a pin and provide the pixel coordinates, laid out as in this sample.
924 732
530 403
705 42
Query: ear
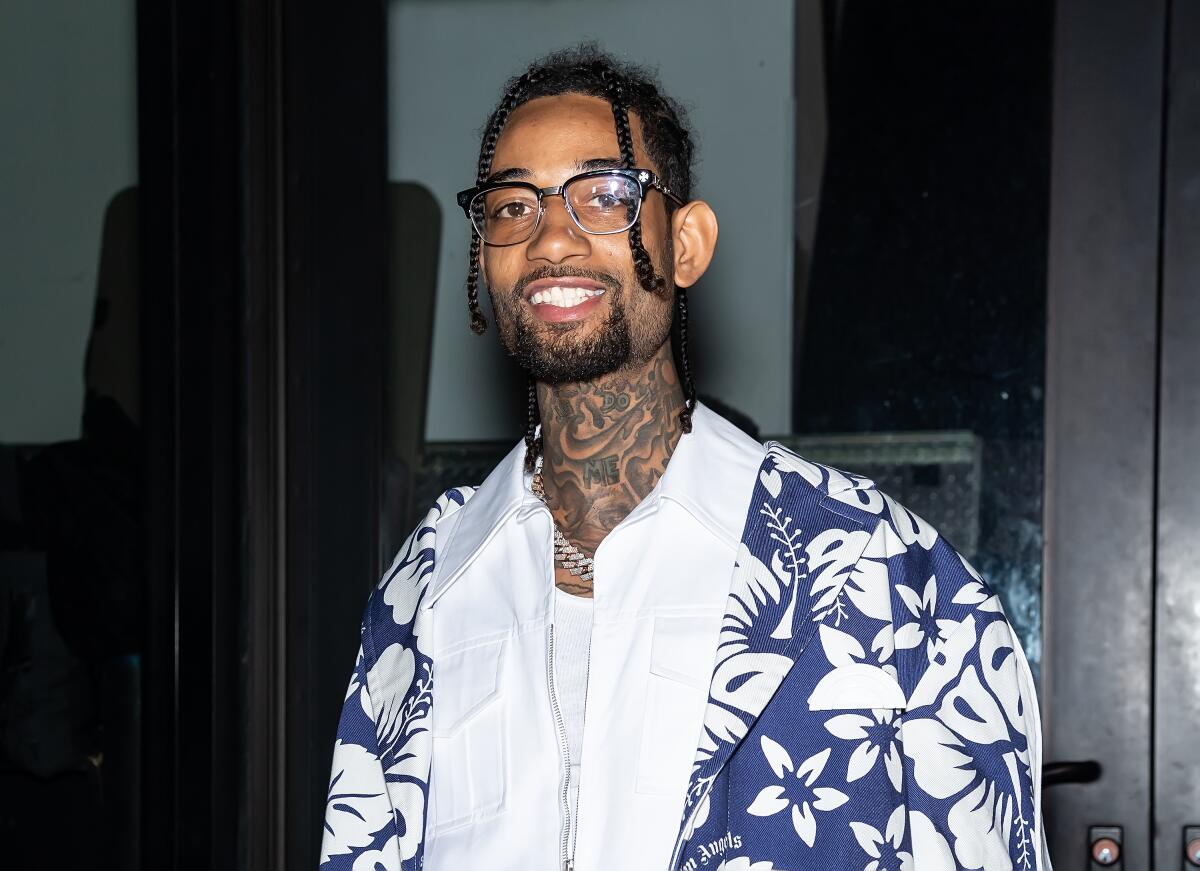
694 229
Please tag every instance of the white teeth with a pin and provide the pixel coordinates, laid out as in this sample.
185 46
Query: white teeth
563 297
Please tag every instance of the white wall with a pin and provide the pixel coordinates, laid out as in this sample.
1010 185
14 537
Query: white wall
729 63
68 116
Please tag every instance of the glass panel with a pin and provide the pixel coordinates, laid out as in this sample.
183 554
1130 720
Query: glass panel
924 323
71 550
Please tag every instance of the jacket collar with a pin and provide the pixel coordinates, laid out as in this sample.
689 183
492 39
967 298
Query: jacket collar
708 465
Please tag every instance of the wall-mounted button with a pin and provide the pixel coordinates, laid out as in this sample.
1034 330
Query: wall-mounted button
1191 846
1106 851
1104 847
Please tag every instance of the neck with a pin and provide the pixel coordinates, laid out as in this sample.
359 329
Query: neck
606 443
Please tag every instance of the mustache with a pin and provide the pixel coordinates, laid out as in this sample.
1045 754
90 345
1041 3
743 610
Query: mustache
609 280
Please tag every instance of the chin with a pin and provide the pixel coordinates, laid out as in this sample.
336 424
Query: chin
569 353
572 370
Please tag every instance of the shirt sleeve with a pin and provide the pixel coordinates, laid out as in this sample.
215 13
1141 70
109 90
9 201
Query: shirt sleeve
360 826
971 733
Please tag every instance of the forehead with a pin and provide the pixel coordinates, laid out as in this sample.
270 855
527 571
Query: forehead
551 135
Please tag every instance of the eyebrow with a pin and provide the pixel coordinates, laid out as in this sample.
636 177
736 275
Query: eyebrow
600 163
520 173
517 172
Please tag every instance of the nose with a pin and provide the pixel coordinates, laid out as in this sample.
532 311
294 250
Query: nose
558 238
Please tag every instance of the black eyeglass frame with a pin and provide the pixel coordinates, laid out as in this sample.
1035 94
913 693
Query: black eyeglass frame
645 179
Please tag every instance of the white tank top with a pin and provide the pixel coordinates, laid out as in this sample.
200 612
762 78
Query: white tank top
572 651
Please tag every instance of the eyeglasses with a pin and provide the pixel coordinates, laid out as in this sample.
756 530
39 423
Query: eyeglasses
601 202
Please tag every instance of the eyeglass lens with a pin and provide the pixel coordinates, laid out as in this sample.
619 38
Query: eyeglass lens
599 204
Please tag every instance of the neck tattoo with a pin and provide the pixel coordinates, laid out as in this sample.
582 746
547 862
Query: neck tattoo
605 445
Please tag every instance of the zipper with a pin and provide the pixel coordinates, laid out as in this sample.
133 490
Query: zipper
680 841
568 862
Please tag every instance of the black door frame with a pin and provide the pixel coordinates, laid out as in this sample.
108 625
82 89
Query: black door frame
337 260
262 143
192 283
1176 786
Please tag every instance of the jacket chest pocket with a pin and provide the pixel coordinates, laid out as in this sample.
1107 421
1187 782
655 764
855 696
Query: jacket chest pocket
468 773
676 695
856 686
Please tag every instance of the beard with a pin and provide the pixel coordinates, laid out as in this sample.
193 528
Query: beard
562 359
554 353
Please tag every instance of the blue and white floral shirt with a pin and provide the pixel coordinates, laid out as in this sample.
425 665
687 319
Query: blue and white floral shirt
869 708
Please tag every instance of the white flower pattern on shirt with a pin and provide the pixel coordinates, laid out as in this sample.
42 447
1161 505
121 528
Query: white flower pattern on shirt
926 628
877 737
884 849
803 798
375 812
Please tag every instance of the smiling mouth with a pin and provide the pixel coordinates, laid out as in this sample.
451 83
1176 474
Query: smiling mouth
564 300
564 296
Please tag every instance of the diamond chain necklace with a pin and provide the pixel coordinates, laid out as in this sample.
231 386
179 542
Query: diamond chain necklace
566 554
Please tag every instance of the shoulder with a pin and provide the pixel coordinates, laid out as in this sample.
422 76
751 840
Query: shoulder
725 443
391 610
903 569
915 599
855 496
790 480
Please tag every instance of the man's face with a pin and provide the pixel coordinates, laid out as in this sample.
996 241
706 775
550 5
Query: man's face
618 324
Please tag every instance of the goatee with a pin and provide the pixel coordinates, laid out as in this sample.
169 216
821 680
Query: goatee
561 357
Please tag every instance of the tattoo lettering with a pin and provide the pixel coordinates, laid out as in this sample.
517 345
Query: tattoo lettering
563 411
601 470
612 403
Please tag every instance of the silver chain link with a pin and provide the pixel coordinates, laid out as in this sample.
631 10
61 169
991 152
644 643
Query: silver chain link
566 554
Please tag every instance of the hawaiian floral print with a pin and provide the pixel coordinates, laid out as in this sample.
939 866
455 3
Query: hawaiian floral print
869 708
375 811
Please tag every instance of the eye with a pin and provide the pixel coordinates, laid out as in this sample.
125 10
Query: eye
604 201
604 195
512 210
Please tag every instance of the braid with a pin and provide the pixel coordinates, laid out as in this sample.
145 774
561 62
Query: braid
643 267
647 278
689 387
478 321
487 151
533 442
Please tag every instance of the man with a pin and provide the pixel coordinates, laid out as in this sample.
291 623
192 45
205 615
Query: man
647 641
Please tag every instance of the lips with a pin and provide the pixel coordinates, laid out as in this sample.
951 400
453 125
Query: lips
563 299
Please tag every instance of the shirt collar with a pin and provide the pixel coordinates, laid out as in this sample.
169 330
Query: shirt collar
710 475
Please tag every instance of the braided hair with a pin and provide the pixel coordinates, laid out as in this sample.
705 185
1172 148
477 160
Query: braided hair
589 71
